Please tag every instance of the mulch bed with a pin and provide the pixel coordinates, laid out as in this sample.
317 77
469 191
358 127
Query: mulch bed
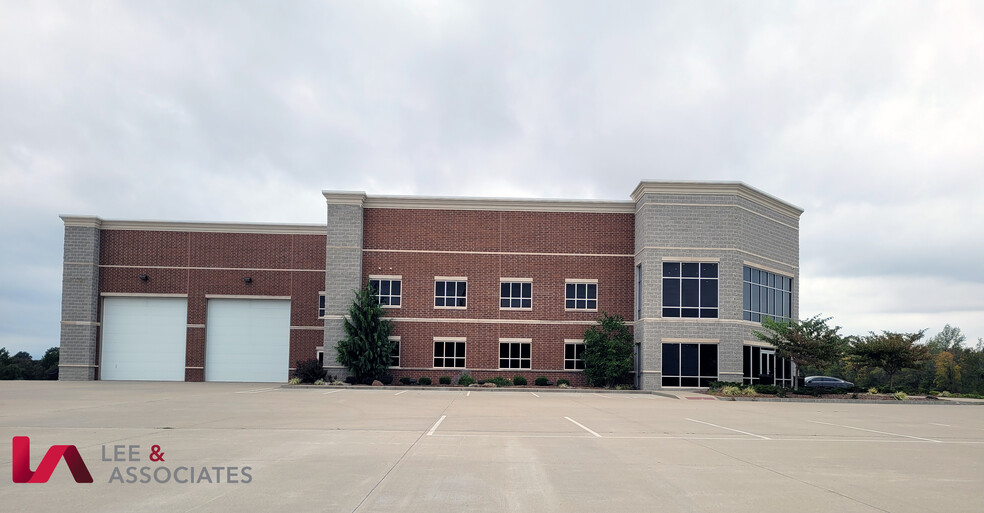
843 397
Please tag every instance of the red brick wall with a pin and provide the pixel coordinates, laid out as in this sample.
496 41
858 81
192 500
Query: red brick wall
200 263
563 241
528 232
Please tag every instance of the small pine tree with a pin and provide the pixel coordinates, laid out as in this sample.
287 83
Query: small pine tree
608 351
366 349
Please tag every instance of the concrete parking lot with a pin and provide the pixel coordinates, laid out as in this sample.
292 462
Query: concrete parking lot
372 450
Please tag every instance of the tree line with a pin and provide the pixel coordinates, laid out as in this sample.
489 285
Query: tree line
23 366
887 360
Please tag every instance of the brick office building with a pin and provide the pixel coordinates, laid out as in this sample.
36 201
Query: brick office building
485 286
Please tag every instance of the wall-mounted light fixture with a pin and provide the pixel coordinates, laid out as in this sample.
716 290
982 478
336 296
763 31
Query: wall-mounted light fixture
144 277
247 280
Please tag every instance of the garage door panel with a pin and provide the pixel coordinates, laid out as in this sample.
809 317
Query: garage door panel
247 340
143 339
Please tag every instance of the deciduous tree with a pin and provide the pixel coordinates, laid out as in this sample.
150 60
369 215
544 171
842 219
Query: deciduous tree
947 372
890 352
809 342
608 351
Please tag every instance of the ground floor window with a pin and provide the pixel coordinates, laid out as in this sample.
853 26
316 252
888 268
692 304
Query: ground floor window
762 366
689 365
514 355
395 353
449 353
573 352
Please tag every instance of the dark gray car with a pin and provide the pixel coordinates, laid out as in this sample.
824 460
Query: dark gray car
826 382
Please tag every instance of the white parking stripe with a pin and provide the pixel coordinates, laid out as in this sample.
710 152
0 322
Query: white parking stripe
332 392
534 394
468 394
256 390
875 431
582 426
730 429
403 392
438 423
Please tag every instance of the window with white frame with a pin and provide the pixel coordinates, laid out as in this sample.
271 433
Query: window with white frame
689 364
389 290
321 304
573 353
514 353
395 353
515 294
319 352
450 292
449 353
581 295
690 289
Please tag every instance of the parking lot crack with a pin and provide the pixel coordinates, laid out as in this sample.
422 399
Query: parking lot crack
787 476
403 456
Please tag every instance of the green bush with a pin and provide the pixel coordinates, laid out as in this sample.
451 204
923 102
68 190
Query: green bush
714 385
294 381
426 381
767 389
901 396
519 380
466 380
750 392
320 382
541 381
731 390
563 382
444 380
309 371
407 381
499 381
872 390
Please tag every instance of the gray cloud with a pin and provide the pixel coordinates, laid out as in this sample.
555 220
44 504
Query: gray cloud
868 115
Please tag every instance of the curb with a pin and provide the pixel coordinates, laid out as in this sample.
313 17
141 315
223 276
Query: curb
548 390
847 401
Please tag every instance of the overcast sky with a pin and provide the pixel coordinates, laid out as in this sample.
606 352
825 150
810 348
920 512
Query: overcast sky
869 115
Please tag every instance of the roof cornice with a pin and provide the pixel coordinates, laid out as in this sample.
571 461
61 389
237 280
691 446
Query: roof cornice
356 198
81 221
191 226
739 189
499 204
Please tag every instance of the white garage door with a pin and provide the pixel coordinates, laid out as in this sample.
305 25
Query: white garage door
247 340
144 338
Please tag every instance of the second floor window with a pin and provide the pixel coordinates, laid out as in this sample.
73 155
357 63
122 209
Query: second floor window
389 290
690 289
516 294
581 295
450 293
